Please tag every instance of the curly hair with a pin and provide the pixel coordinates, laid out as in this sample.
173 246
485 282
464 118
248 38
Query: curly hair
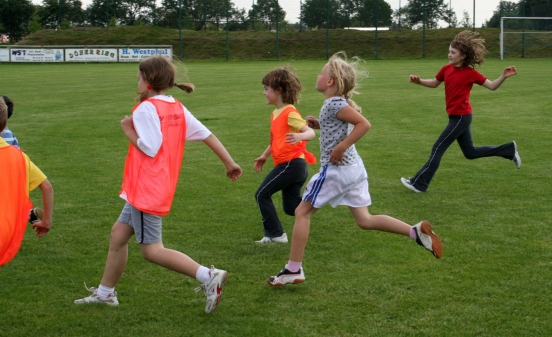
284 80
160 73
3 114
345 74
470 45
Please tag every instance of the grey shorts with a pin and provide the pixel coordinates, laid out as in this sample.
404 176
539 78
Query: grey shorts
147 227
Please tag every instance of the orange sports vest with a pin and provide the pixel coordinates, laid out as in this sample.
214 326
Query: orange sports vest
281 151
150 183
14 202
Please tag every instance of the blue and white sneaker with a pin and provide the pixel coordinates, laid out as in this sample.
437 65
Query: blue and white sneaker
406 182
517 158
286 277
426 238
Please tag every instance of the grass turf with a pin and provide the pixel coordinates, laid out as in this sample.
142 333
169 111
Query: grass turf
493 279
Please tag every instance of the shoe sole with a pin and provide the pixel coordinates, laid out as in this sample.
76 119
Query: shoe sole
517 158
436 244
219 296
296 281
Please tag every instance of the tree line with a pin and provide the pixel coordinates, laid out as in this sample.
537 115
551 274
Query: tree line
21 17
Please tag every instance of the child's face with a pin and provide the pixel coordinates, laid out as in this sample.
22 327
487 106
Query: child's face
455 57
271 94
142 84
323 79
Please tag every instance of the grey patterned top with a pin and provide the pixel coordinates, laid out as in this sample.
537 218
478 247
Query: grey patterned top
333 131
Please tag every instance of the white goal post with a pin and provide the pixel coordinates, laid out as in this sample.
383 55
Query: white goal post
523 31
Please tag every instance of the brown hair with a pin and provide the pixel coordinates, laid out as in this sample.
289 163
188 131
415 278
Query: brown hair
284 80
160 74
345 74
3 114
468 44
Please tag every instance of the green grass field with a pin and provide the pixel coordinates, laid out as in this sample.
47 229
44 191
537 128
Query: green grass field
494 278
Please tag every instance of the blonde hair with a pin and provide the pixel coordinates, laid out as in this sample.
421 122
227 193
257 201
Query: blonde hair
468 44
345 74
160 73
3 114
284 80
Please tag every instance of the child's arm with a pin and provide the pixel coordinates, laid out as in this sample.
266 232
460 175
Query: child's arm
260 161
361 126
305 133
434 83
43 227
493 85
233 170
128 128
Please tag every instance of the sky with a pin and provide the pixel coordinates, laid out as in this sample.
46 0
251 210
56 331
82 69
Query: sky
483 8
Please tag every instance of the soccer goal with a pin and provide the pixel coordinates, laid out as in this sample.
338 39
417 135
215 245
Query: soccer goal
525 36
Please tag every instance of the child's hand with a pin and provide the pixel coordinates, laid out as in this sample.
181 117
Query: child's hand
414 79
127 124
313 123
259 162
336 158
233 171
509 71
41 228
293 137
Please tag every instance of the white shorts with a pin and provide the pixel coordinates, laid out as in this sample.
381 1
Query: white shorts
339 185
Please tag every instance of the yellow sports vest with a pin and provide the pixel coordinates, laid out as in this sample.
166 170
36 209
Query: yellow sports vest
14 202
150 183
281 151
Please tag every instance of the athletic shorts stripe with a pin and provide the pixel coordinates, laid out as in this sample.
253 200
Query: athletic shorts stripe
317 186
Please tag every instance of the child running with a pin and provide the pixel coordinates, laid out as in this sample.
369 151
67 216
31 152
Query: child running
19 177
289 134
342 179
157 131
465 52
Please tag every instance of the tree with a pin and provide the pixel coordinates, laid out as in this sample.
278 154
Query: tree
135 10
314 13
466 22
268 11
366 13
450 17
53 12
433 10
15 16
100 12
504 8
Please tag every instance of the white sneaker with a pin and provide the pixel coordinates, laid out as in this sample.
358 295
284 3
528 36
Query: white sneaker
281 239
517 158
286 277
110 300
426 238
213 288
406 182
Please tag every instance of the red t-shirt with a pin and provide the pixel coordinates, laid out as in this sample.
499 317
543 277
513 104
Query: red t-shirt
458 84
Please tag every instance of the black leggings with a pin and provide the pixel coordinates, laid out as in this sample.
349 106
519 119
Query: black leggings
458 128
288 178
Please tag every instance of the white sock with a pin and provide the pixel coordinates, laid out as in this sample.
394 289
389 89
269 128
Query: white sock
203 274
104 291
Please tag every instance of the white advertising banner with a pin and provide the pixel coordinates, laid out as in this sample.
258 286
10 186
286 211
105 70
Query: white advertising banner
4 55
90 55
138 54
36 55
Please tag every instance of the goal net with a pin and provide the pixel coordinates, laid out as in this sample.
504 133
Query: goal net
525 37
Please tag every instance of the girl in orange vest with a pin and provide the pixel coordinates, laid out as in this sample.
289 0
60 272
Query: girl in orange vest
157 131
19 177
289 134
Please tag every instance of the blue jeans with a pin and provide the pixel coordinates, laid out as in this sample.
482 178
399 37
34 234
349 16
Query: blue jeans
289 178
458 128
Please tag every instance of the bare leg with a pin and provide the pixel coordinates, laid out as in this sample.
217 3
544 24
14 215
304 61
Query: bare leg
117 256
170 259
301 229
382 223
